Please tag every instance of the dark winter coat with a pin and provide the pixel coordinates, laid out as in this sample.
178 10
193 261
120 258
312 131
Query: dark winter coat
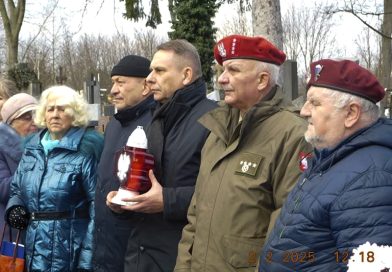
341 202
10 155
62 181
111 229
176 139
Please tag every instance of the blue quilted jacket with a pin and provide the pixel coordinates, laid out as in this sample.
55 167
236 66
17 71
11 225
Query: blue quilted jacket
63 181
342 201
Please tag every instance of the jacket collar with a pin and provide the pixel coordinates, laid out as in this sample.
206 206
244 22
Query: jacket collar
129 114
189 95
70 140
183 100
377 134
224 121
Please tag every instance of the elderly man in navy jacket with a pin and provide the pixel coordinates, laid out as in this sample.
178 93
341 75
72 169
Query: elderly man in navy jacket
344 198
134 104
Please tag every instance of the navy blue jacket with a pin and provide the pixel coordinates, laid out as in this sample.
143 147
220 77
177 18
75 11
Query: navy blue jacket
153 243
341 202
111 229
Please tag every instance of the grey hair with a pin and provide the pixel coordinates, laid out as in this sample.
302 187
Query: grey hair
371 110
272 70
65 96
186 51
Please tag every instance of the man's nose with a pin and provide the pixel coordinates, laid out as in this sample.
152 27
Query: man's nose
114 89
222 79
305 109
150 78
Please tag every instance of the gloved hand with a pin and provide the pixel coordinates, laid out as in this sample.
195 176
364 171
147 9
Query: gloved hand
18 217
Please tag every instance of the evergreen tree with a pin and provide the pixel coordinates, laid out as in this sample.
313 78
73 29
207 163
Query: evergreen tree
134 10
193 22
22 75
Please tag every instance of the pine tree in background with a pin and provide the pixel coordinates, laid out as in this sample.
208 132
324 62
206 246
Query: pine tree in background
193 22
134 10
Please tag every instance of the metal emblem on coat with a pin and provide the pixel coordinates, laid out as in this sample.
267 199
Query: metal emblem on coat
248 164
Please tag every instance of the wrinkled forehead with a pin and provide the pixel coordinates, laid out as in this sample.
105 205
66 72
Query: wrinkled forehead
245 63
57 100
320 93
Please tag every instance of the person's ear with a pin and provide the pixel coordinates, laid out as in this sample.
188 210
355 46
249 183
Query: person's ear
263 80
187 75
146 89
352 115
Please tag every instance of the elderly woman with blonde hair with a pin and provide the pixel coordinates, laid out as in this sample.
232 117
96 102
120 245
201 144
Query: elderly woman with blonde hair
52 193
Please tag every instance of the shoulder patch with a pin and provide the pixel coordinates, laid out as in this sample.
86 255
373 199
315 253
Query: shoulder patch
248 163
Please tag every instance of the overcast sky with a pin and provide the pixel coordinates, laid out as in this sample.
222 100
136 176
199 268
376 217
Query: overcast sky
105 17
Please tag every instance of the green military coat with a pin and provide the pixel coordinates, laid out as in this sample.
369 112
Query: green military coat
247 169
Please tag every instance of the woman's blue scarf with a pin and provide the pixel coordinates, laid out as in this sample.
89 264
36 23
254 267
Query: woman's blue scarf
48 143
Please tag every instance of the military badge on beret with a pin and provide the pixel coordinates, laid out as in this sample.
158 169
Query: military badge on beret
346 76
244 47
317 71
222 50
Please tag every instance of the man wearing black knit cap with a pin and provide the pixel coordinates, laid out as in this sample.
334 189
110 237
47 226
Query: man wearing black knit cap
134 106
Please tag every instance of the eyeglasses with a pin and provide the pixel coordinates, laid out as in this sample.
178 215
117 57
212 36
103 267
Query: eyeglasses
28 116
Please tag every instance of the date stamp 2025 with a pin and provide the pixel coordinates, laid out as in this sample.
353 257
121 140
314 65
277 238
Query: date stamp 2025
294 257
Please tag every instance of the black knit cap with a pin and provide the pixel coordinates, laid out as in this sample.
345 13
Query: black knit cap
132 66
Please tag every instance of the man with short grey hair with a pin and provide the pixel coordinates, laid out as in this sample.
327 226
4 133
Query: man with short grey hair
249 163
343 200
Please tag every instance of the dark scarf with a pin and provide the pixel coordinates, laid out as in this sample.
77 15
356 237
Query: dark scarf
129 114
167 115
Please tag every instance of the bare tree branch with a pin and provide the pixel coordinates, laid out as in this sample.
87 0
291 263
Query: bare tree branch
40 29
361 9
353 12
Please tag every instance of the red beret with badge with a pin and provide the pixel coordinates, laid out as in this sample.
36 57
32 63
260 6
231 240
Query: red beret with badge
345 76
244 47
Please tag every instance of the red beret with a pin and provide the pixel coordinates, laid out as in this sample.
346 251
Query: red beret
243 47
346 76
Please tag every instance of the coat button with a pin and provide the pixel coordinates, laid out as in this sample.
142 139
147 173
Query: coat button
141 248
